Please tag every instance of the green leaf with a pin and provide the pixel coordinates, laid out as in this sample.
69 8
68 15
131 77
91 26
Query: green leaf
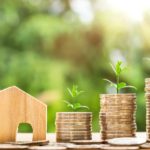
75 106
78 106
129 86
121 85
80 92
118 67
111 83
113 68
74 91
70 92
69 104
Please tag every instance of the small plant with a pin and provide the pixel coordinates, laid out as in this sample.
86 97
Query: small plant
118 69
74 93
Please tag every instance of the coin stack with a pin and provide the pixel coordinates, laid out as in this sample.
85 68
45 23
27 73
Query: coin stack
117 115
147 96
73 126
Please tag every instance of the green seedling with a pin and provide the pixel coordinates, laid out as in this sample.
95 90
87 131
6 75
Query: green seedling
118 69
74 93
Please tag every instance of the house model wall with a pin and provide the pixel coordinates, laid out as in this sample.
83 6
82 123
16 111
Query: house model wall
16 106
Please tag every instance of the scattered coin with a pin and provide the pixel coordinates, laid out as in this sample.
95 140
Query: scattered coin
127 141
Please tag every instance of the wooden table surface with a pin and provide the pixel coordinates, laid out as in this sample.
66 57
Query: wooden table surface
95 144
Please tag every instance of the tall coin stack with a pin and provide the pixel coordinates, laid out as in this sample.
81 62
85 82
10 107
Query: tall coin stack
73 126
117 115
147 96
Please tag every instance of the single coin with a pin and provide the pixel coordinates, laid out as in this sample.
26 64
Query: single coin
116 120
145 146
117 109
73 129
131 101
74 132
127 141
117 102
74 117
105 103
76 137
117 132
66 136
112 136
68 139
115 113
118 99
121 125
118 115
117 95
109 122
125 112
114 123
73 126
72 114
72 123
120 147
73 120
32 143
118 129
87 142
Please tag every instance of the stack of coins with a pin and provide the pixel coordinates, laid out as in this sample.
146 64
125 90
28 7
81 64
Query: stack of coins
117 115
147 96
73 126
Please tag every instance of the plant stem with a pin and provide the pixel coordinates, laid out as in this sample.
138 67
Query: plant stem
117 84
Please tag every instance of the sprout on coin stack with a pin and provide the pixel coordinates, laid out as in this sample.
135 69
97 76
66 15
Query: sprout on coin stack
117 114
73 125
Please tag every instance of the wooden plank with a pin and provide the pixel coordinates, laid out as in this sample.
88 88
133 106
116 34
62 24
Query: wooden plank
17 107
63 146
12 147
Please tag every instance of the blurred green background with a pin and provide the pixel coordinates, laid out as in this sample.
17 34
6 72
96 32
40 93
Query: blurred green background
47 45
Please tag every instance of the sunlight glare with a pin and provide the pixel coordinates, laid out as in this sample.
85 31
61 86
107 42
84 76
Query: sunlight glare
134 9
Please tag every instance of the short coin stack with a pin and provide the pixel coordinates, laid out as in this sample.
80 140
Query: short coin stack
117 115
73 126
147 96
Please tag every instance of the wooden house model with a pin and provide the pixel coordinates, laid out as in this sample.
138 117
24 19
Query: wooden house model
16 106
